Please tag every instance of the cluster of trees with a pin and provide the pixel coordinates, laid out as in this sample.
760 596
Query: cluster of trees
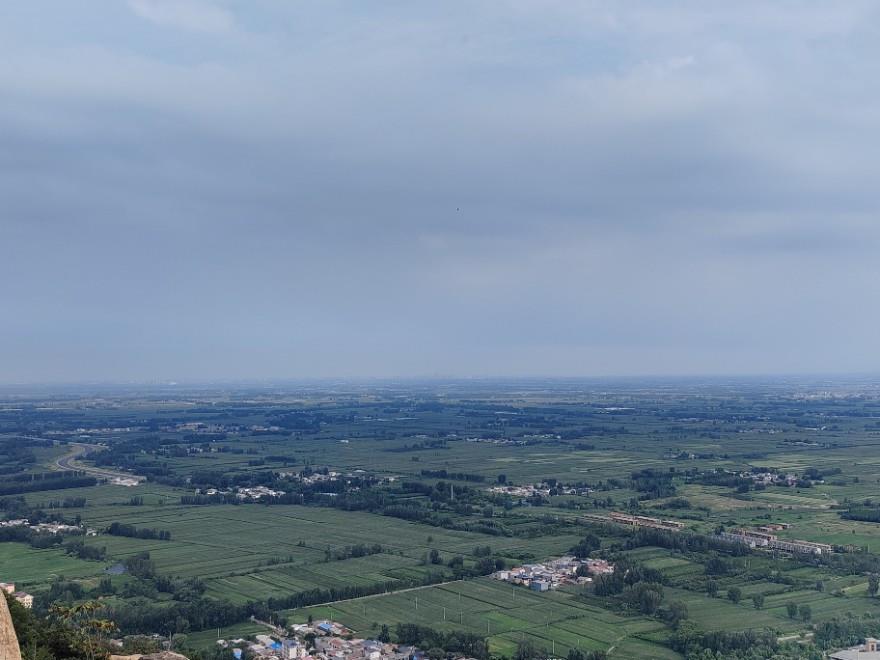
301 420
456 476
17 534
66 503
653 484
469 644
140 566
148 585
684 541
694 643
425 445
123 529
586 545
23 534
847 631
626 574
795 611
79 549
851 563
16 455
721 477
204 500
73 633
527 650
428 516
353 551
646 597
820 474
484 565
192 611
75 480
636 587
676 503
70 592
863 513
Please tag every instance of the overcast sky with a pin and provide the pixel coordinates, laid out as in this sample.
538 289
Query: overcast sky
200 189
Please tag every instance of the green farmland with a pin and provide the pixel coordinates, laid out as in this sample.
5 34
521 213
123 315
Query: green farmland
392 505
251 552
505 614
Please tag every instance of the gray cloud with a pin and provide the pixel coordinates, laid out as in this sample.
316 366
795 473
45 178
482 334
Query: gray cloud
210 189
184 14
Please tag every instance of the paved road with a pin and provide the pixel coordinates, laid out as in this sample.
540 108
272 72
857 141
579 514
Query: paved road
80 450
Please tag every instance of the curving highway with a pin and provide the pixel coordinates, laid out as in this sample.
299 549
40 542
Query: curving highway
81 450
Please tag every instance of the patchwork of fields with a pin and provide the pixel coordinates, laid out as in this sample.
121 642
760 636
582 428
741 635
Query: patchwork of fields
507 615
431 454
254 552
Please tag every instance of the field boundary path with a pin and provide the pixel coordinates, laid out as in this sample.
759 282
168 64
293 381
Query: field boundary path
330 603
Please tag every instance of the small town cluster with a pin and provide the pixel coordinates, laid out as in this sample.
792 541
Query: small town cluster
321 640
48 527
498 441
773 478
308 478
253 494
538 490
22 597
554 573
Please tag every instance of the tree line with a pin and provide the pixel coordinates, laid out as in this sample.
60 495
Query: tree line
123 529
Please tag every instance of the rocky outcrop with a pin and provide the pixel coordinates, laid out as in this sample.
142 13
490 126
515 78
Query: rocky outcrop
9 649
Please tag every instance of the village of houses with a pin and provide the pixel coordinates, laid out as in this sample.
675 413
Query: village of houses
320 640
538 490
555 573
256 493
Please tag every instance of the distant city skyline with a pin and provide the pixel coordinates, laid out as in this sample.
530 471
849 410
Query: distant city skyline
200 190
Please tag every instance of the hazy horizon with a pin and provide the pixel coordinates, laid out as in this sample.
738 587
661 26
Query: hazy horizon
208 190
